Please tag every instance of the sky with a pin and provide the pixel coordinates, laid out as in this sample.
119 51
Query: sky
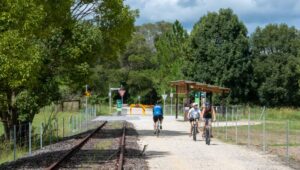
253 13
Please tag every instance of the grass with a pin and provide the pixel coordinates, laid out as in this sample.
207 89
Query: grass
63 124
282 129
106 144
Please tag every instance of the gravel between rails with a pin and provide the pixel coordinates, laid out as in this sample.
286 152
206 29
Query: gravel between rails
100 152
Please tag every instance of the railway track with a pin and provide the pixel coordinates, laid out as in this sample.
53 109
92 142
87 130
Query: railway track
120 161
77 147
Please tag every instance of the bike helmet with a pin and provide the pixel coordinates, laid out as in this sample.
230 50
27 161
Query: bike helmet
207 104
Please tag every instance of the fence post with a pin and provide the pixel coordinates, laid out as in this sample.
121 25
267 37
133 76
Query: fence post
264 130
80 121
226 124
41 136
287 142
73 124
29 138
231 113
20 131
50 135
15 142
218 128
63 129
236 127
56 130
249 127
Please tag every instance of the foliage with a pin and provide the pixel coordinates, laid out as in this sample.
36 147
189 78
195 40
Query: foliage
221 53
47 47
171 50
275 52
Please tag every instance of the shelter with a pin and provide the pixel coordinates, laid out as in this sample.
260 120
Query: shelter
185 86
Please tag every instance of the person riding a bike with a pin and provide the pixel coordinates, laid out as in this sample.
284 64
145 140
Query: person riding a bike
208 114
157 115
194 116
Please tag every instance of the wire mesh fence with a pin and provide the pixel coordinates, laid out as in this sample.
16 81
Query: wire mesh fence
27 137
254 128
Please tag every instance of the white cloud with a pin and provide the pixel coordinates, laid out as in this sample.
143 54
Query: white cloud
252 12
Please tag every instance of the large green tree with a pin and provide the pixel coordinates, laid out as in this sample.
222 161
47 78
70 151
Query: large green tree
276 60
221 53
171 53
46 45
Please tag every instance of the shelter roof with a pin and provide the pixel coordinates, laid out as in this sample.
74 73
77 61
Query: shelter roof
186 85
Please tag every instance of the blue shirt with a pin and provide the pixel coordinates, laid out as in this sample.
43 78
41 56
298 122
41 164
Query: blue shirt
157 110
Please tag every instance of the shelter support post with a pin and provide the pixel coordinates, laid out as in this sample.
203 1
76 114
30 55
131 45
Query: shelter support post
176 96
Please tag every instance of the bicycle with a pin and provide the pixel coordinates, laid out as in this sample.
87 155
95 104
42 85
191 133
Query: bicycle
194 130
157 130
207 131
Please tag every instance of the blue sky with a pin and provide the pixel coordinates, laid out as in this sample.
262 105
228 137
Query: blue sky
252 12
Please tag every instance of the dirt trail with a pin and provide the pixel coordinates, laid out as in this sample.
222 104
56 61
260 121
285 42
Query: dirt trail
174 149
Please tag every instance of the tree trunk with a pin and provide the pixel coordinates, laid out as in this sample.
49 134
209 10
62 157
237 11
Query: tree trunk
7 128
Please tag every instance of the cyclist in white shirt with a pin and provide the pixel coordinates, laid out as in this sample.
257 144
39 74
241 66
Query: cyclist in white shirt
194 115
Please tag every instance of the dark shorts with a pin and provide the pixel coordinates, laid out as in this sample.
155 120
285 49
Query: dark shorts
192 119
156 118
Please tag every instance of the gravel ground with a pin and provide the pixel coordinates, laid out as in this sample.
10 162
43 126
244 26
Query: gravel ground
100 152
174 149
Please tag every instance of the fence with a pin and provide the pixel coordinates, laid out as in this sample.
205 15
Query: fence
255 128
171 110
25 138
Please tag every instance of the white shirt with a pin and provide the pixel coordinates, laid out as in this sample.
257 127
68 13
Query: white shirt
194 113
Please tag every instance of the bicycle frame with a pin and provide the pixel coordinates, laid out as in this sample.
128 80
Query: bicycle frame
157 128
207 131
194 129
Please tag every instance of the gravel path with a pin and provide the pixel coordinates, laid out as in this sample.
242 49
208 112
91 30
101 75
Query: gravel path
174 149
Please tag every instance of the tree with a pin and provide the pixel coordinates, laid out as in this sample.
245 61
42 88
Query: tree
221 53
151 31
43 49
275 52
171 49
137 68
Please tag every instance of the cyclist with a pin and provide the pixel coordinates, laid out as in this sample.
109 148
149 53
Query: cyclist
194 116
157 115
208 113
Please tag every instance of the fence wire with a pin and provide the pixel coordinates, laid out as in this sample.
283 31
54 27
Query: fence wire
26 138
255 128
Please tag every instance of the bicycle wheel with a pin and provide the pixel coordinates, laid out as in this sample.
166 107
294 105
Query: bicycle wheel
207 135
157 129
194 132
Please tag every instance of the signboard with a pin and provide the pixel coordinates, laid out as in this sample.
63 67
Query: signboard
114 88
87 93
119 105
122 92
171 95
197 98
164 96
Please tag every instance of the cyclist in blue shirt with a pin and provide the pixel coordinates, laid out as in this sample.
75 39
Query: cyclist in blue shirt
157 115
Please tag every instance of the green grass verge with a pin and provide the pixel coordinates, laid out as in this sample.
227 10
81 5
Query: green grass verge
63 124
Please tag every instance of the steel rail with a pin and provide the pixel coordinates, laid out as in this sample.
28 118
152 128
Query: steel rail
69 154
